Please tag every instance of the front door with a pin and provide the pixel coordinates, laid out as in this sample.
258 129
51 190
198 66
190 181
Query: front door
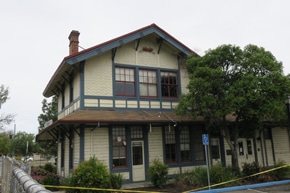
138 169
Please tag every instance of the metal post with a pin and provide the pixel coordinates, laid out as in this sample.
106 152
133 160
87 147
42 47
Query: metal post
205 142
207 166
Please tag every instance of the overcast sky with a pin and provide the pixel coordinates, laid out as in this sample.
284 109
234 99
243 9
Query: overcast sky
34 36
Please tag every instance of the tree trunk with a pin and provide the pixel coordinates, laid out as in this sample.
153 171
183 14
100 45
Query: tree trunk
233 145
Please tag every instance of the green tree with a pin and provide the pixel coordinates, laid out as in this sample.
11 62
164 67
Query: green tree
5 119
4 144
241 86
49 112
23 144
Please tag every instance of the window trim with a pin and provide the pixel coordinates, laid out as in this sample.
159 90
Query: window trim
169 85
148 83
125 82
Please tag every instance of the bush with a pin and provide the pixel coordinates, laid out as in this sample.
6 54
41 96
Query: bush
283 172
50 168
116 180
91 174
198 176
46 175
250 168
51 179
269 173
158 172
219 173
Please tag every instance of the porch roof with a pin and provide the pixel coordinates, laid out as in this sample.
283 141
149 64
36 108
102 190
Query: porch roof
101 117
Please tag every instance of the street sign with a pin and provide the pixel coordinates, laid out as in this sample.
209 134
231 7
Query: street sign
205 139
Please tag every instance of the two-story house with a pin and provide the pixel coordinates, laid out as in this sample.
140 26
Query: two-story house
116 102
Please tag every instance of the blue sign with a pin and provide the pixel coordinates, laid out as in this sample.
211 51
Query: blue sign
205 139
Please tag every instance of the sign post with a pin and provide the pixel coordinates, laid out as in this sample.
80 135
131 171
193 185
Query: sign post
205 143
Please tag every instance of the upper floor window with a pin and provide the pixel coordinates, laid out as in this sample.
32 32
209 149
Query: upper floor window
71 90
125 81
148 83
169 86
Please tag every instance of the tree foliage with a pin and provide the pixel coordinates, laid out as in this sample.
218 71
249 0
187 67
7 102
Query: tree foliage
5 119
242 86
49 112
4 144
23 144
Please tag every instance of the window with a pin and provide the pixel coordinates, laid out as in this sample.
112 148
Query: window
71 90
62 99
119 147
215 150
170 145
148 83
136 132
241 148
125 81
169 86
185 145
249 147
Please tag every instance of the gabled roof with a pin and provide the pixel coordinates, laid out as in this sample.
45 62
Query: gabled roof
68 61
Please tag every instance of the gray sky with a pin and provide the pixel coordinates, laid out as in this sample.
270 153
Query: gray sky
34 36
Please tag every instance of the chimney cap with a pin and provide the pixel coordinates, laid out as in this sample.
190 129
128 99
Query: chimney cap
73 33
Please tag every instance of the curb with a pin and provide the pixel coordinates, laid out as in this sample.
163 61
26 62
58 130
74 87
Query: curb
243 187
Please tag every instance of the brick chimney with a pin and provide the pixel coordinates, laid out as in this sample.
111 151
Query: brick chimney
73 42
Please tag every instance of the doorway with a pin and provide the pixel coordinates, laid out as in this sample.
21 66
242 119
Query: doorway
138 168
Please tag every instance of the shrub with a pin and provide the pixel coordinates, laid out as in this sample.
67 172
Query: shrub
283 172
219 173
198 176
51 179
50 168
116 180
158 172
90 173
250 168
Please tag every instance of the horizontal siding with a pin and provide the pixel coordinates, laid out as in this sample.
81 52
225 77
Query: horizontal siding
66 157
155 144
281 144
58 159
76 150
269 152
97 144
98 75
76 86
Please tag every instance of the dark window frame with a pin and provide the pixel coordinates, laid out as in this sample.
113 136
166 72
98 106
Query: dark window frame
148 81
169 84
119 146
123 81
